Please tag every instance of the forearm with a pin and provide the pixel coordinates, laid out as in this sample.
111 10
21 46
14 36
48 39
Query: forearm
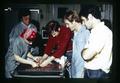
21 60
47 61
51 58
88 54
29 55
45 56
60 51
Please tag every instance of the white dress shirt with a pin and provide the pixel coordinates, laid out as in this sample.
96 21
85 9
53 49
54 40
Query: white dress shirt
100 41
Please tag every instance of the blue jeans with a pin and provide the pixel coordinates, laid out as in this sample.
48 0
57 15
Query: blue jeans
69 59
95 74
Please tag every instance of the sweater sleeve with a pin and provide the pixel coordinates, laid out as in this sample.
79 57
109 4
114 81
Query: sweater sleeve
49 46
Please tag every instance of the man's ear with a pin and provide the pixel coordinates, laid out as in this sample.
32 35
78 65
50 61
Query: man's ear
90 16
59 29
73 22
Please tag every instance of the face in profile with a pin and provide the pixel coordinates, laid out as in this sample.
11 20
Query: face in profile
87 22
54 33
26 19
69 24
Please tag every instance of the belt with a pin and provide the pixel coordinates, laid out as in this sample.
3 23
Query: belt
69 51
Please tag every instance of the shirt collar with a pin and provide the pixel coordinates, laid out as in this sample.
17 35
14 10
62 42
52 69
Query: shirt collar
26 25
98 26
82 28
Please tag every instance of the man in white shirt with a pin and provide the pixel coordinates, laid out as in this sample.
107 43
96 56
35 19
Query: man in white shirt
97 53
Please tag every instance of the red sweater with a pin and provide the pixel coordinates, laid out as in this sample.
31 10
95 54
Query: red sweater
60 43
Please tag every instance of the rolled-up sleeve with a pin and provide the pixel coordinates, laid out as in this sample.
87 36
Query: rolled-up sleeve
49 46
16 47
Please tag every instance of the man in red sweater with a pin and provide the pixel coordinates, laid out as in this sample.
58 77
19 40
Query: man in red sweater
59 43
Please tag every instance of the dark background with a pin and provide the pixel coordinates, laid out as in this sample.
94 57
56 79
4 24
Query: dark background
116 25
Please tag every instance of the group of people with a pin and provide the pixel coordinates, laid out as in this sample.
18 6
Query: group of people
83 38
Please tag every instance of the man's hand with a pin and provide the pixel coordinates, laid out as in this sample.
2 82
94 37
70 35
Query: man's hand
45 56
33 64
47 61
41 60
37 59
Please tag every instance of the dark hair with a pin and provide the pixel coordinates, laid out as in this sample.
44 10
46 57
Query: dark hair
71 16
24 12
90 9
52 26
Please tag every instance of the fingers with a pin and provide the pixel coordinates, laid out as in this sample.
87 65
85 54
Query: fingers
34 64
43 64
37 59
39 62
